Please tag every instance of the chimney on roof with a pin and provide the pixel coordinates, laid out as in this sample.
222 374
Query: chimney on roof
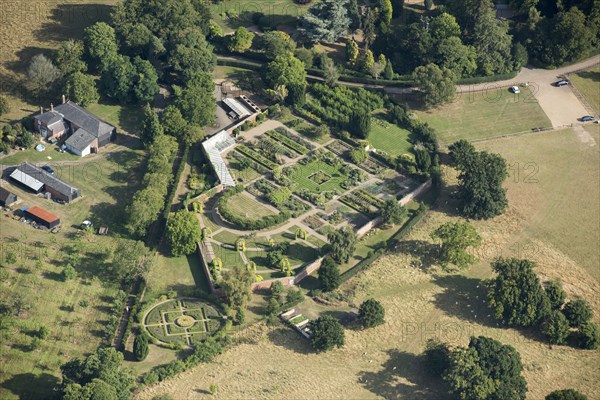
64 99
41 110
51 107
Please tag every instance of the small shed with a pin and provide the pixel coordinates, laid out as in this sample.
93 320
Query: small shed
42 217
7 199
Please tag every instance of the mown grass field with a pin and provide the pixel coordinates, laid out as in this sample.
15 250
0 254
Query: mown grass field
389 137
240 11
422 301
588 84
246 206
480 115
302 177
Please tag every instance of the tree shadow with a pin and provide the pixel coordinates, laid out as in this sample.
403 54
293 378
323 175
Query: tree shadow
464 298
593 75
405 376
54 276
426 253
68 21
346 318
291 340
30 386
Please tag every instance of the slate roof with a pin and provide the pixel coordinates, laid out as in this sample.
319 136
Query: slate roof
84 119
6 196
49 118
47 179
80 139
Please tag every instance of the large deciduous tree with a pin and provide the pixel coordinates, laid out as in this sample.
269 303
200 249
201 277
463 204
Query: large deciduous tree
41 74
327 333
343 244
329 274
276 43
69 57
101 45
456 238
325 21
241 40
151 127
183 232
487 369
578 312
392 212
516 295
192 54
565 394
236 283
288 71
81 88
196 101
435 84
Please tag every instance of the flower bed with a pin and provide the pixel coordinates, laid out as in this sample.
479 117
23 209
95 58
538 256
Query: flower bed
295 146
253 154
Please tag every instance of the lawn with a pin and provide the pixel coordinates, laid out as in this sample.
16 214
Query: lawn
588 84
389 137
317 176
248 207
230 15
480 115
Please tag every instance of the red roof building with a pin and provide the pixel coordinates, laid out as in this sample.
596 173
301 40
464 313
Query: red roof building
42 217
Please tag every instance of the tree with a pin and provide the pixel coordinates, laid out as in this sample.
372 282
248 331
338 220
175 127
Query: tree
351 51
371 313
462 153
183 233
457 57
329 274
360 124
369 28
565 394
436 84
196 101
331 72
173 122
437 357
325 21
516 295
377 68
555 293
69 273
456 237
101 45
358 155
280 196
578 312
118 79
327 333
288 71
398 8
343 243
145 83
4 106
140 347
556 328
151 127
365 60
385 12
276 43
428 4
236 284
69 57
392 212
589 336
97 389
354 15
487 369
422 159
131 260
81 88
241 40
480 185
192 54
41 74
192 134
388 72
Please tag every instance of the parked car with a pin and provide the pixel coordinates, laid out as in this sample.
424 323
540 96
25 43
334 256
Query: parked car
587 118
515 89
48 169
562 82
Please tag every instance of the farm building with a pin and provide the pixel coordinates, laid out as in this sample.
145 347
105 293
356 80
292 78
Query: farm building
38 181
87 132
7 199
42 217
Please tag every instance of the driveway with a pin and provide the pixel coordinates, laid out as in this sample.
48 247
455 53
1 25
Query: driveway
559 103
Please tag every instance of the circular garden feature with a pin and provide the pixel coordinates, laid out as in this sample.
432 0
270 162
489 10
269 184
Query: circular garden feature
183 321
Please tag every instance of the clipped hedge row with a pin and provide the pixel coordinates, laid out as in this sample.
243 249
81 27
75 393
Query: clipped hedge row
244 223
288 142
491 78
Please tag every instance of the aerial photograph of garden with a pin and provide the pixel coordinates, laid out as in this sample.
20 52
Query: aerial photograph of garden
299 199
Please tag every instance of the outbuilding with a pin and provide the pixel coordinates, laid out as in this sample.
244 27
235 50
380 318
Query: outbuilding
42 217
7 199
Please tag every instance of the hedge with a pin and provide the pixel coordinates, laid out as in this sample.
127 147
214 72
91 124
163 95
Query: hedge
244 223
491 78
390 244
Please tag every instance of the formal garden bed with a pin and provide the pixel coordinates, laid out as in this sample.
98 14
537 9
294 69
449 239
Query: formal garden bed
182 321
